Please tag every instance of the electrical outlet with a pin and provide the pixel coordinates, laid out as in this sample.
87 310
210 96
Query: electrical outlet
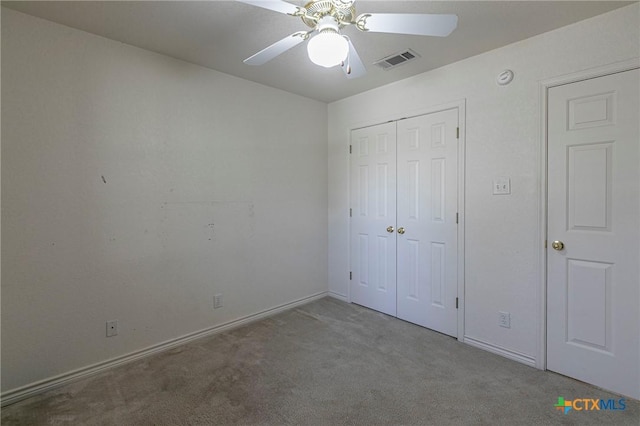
217 301
112 328
504 319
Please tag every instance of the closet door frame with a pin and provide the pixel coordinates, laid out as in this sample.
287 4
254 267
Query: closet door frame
461 106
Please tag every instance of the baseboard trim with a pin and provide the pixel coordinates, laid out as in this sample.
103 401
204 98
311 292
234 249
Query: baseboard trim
498 350
18 394
338 296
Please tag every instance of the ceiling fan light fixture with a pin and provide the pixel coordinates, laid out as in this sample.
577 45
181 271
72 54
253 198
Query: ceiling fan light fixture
328 49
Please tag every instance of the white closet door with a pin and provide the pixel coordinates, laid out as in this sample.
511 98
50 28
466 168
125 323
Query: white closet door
373 201
593 285
427 207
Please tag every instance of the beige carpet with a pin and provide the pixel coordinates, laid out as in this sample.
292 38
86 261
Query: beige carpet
325 363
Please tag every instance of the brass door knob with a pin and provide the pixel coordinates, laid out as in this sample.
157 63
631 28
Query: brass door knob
401 230
557 245
390 229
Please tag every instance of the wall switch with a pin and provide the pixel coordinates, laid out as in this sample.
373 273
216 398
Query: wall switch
112 328
501 186
504 319
217 301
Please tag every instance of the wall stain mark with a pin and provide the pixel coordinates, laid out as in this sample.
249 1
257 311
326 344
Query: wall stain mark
103 179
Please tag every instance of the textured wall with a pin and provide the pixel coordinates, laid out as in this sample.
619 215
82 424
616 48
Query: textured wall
502 238
135 187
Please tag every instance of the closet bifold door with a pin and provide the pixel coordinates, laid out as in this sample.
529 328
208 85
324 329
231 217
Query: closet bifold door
427 202
373 217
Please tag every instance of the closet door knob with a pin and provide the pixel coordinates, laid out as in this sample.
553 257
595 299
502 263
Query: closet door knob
390 229
557 245
401 230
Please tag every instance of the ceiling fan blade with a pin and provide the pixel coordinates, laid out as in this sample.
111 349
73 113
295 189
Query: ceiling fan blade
353 66
277 6
408 23
277 48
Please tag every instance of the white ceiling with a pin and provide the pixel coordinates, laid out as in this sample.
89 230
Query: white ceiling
221 34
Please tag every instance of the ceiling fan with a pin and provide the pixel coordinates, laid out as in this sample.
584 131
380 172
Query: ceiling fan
329 48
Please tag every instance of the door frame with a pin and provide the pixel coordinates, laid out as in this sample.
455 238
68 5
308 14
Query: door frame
544 86
461 106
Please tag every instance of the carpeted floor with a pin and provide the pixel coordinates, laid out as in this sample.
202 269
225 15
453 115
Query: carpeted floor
325 363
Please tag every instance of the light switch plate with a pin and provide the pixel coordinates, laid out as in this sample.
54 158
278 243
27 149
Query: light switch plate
501 186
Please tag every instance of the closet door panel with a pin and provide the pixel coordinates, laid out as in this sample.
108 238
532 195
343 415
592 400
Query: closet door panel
373 217
427 191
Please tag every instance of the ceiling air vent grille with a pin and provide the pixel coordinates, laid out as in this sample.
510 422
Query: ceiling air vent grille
396 59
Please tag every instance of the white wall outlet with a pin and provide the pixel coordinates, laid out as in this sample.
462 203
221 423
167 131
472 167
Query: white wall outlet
112 328
217 301
504 319
501 186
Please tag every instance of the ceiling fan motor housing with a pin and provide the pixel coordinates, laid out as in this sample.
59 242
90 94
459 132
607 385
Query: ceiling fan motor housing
343 11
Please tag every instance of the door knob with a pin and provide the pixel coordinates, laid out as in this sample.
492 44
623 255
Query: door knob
401 230
557 245
390 229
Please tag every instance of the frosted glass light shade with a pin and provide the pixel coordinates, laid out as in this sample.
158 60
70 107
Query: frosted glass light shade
328 49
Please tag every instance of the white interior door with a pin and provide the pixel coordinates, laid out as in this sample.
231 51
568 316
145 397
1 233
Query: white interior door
427 207
593 284
373 217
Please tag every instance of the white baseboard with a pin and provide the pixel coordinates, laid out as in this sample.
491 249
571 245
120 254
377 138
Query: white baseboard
498 350
338 296
36 388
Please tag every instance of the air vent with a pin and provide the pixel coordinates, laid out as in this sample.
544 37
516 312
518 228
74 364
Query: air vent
396 59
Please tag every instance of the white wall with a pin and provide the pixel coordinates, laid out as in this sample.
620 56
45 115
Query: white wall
502 139
212 184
